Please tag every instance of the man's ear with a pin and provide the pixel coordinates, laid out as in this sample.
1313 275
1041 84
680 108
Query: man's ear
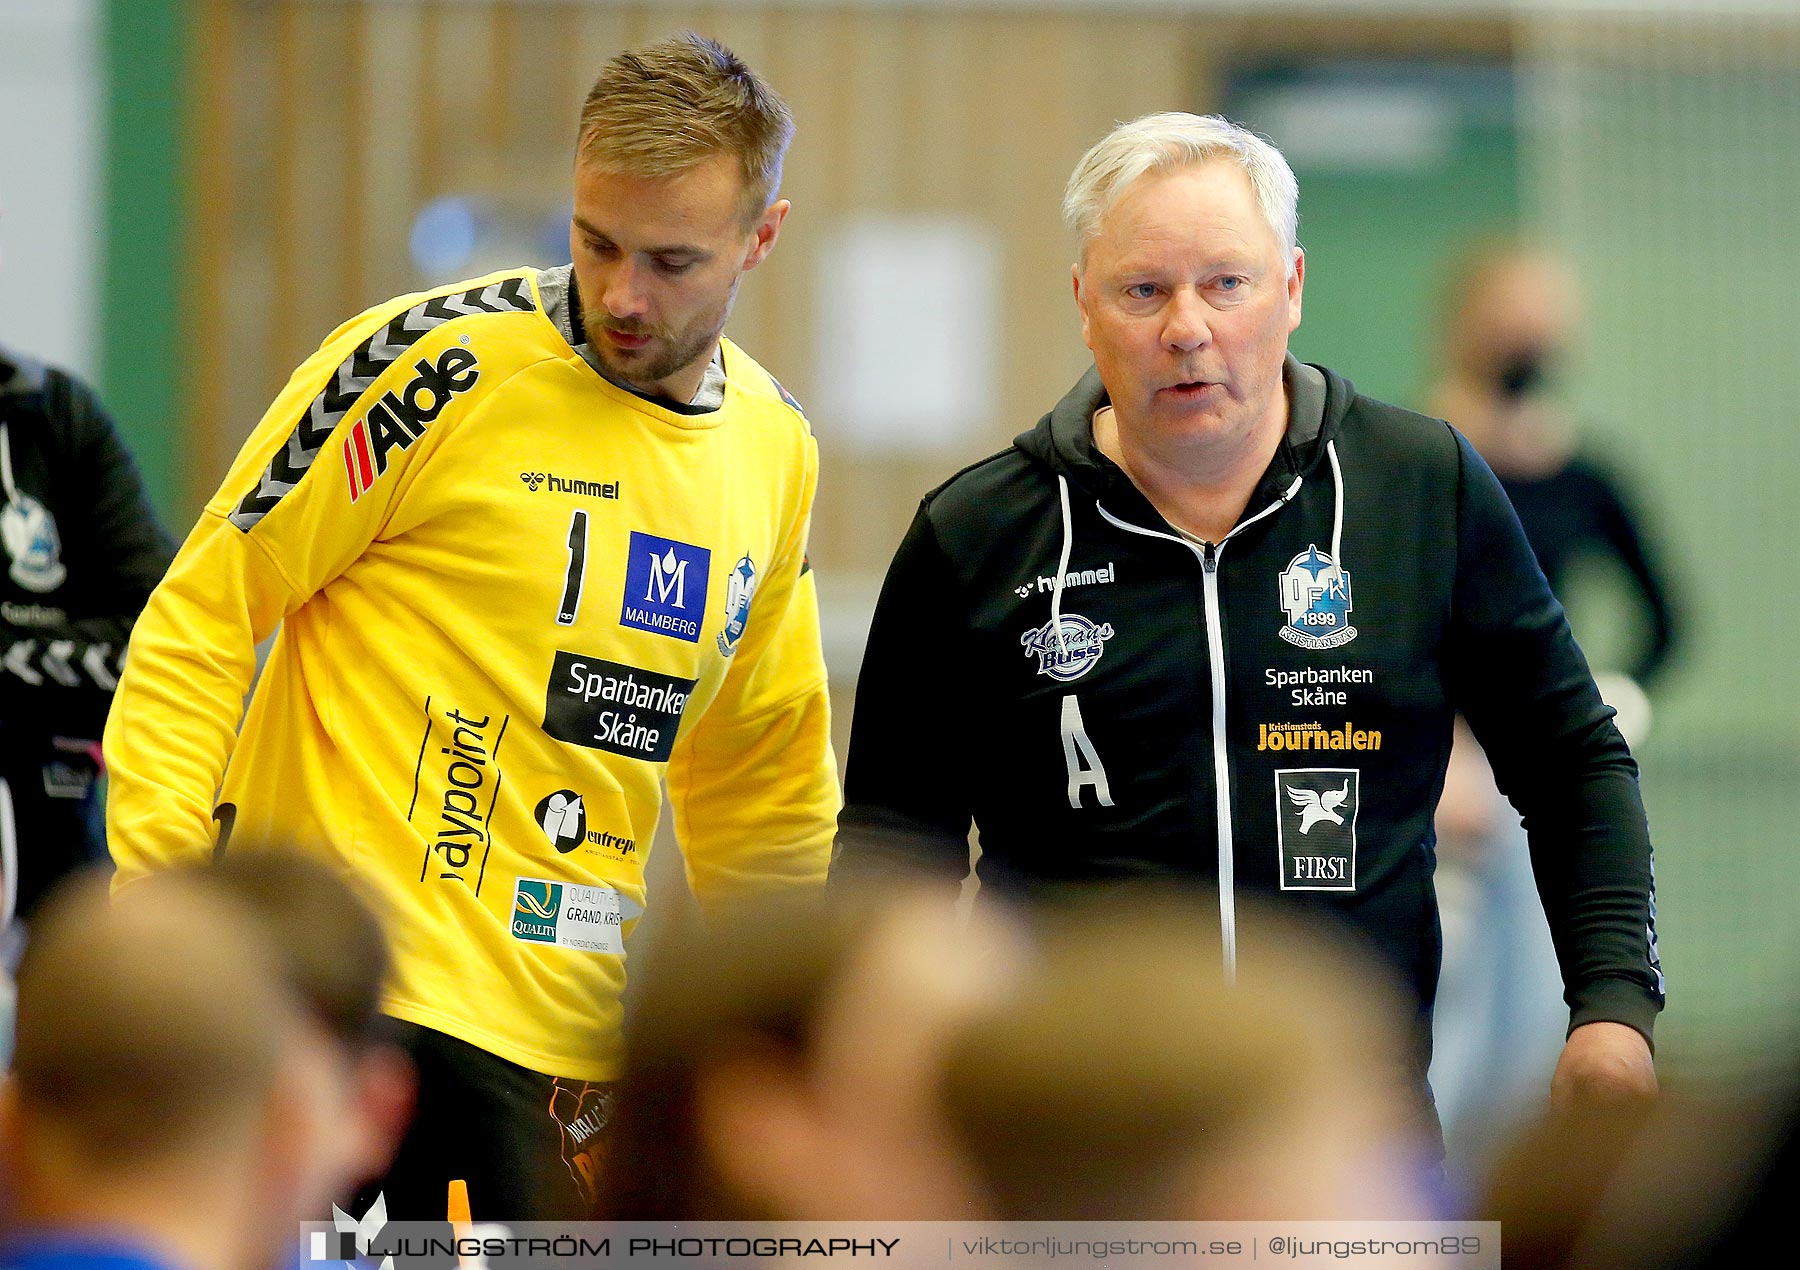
1080 303
1296 283
766 230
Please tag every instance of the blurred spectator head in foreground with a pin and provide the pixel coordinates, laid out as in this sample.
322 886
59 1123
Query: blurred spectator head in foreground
781 1066
1128 1079
334 957
149 1099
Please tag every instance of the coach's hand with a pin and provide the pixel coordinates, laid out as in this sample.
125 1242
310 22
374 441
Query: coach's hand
1603 1064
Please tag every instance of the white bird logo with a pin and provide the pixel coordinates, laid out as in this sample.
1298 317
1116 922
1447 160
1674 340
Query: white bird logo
1316 807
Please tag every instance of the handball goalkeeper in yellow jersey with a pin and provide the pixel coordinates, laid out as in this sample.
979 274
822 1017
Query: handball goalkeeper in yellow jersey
535 543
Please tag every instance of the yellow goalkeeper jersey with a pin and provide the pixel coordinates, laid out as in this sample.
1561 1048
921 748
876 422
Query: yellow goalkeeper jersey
512 598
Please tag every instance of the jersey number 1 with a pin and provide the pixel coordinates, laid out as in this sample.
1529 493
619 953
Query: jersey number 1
571 600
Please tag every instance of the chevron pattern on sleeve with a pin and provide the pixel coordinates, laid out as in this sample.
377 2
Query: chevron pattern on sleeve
56 661
352 378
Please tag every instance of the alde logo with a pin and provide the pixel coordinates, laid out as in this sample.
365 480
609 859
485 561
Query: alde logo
1315 595
399 419
563 820
1072 656
665 586
1315 811
740 589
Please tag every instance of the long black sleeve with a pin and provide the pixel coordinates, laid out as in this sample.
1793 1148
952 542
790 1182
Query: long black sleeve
1517 675
907 804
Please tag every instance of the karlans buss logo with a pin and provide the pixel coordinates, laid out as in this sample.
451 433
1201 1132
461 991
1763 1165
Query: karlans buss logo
665 586
399 419
1315 594
1074 654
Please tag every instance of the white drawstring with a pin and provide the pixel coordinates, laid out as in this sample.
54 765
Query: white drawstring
9 854
1062 565
1337 515
12 494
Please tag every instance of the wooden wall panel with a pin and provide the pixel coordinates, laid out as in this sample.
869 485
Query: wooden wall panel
209 251
347 116
394 162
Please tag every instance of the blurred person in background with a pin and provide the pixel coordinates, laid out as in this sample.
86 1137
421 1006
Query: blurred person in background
782 1068
1510 319
334 958
151 1119
1210 622
535 543
82 551
1126 1080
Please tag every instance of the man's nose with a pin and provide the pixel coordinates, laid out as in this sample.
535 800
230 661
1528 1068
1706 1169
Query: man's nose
622 292
1186 327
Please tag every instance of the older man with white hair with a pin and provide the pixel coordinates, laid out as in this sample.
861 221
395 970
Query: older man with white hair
1210 621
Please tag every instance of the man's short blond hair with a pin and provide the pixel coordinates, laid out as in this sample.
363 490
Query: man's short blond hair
665 108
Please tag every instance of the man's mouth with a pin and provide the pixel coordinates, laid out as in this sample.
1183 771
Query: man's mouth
626 341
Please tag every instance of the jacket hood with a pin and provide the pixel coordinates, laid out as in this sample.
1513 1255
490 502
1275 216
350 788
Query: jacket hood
1063 440
19 375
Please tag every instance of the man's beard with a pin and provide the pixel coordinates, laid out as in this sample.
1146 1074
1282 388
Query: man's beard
666 353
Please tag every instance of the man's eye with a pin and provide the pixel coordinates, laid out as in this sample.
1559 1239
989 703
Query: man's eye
1230 283
1141 290
673 267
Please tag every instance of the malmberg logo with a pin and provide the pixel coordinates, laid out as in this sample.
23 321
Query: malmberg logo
399 419
565 485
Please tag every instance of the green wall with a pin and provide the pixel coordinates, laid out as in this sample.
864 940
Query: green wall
1377 248
1400 164
149 49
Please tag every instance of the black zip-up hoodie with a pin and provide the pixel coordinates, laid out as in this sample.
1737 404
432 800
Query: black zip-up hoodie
80 552
1268 715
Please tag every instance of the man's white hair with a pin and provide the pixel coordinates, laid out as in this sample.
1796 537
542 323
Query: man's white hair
1171 139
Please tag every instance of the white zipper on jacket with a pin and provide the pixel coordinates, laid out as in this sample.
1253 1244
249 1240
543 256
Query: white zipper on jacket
1215 651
